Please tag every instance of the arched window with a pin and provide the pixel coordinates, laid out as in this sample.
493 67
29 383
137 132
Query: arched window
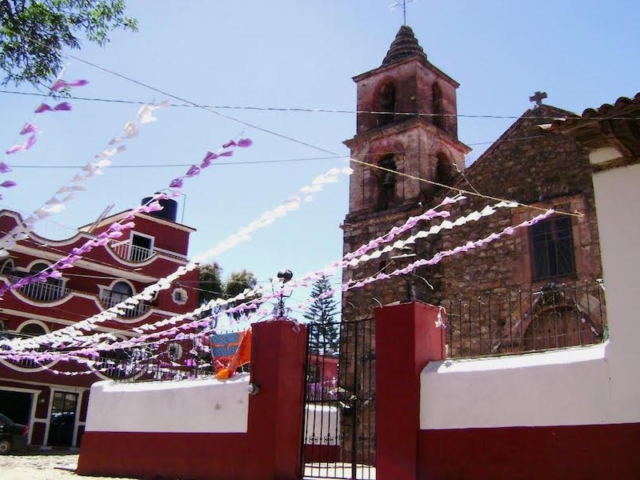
7 268
48 291
386 183
37 268
32 329
121 291
438 109
444 170
387 103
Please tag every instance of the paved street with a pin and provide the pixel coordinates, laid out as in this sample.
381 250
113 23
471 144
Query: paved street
40 466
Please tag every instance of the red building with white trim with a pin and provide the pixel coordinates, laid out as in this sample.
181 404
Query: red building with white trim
52 398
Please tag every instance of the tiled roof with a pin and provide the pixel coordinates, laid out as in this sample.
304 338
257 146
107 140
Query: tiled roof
605 110
404 46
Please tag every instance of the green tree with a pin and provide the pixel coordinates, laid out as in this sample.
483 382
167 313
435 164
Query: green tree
210 282
238 282
212 286
325 333
34 33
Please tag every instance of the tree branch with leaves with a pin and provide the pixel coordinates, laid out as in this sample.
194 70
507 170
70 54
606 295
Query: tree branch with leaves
34 34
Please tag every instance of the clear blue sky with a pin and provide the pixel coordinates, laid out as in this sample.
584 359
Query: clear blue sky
299 54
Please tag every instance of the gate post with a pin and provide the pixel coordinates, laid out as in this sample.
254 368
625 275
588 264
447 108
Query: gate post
275 413
407 338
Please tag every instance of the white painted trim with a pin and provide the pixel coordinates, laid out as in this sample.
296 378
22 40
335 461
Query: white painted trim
28 370
89 265
604 154
40 384
60 321
196 406
63 389
34 322
170 254
119 216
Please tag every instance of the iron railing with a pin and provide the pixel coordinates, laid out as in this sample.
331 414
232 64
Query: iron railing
132 253
513 321
42 291
339 431
110 298
175 360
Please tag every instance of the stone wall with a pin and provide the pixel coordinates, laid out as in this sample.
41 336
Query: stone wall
527 165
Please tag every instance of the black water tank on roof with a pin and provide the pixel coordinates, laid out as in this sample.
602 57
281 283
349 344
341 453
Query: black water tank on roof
169 209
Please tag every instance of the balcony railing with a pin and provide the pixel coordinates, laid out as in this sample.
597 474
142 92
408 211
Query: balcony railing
133 253
42 292
109 299
175 360
519 321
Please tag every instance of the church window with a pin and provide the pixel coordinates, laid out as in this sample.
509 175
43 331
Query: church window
552 248
444 170
387 103
382 267
386 182
438 110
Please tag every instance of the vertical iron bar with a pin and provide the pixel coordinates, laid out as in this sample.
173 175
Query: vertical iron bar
556 291
522 316
579 313
490 320
470 328
460 354
305 401
353 402
510 307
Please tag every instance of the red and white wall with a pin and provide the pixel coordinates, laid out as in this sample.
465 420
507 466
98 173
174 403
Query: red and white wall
205 429
571 413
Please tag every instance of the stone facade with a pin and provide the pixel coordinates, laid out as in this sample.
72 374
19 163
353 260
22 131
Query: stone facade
527 164
406 159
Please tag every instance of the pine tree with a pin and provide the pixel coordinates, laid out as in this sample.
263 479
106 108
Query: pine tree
324 337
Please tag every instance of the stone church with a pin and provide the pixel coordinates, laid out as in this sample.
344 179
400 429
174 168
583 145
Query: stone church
536 289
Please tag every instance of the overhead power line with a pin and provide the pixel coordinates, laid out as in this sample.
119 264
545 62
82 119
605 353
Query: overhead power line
310 110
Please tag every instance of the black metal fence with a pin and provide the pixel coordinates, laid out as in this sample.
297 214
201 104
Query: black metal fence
517 321
339 429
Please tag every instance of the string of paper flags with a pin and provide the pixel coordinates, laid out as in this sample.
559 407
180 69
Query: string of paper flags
244 234
32 130
116 230
65 194
258 291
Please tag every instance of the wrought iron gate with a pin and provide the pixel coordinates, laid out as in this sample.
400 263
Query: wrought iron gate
339 410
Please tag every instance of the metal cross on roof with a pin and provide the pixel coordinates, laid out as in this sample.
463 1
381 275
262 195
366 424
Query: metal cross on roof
403 4
538 97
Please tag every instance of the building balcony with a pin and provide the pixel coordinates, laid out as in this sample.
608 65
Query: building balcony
109 299
42 292
130 252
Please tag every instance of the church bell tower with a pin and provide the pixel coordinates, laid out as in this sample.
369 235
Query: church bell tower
407 131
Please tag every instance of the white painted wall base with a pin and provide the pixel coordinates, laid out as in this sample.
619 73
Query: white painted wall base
196 406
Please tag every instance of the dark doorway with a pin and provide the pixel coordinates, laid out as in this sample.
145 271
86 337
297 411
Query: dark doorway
16 406
63 419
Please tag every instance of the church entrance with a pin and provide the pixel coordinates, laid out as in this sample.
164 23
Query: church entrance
339 408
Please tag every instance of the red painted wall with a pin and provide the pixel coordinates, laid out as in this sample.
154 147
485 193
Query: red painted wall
269 450
407 338
84 301
568 452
